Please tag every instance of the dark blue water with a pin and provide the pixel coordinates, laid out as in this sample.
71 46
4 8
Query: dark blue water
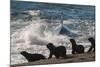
68 11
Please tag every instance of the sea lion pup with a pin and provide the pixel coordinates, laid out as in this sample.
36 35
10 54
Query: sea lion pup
58 52
76 48
32 57
92 40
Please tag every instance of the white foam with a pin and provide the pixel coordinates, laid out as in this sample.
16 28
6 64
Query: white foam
34 37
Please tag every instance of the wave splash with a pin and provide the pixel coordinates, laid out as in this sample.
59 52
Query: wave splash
34 37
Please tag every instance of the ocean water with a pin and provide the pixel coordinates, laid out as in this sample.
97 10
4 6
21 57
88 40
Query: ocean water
33 25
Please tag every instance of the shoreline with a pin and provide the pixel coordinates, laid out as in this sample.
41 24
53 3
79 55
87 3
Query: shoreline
86 57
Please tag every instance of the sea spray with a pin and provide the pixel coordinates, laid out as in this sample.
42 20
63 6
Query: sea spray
34 37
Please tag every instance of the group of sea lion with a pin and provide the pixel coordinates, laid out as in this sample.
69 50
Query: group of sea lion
60 51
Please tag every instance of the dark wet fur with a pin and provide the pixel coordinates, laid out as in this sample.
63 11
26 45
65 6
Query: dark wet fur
76 48
32 57
92 40
59 51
